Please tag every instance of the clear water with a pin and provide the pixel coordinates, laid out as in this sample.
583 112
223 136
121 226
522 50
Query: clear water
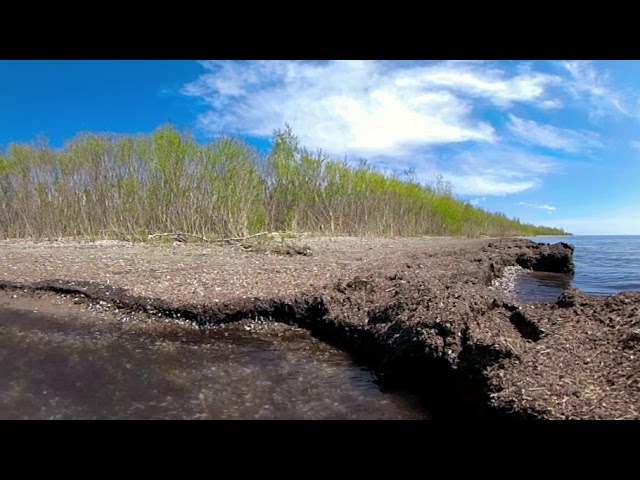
52 368
605 265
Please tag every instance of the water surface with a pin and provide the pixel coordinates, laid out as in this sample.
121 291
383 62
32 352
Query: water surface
605 265
56 369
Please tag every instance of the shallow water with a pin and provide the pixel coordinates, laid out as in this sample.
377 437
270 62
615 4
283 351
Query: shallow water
540 287
605 265
62 369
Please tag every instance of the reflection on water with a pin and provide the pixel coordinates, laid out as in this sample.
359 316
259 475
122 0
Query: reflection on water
55 369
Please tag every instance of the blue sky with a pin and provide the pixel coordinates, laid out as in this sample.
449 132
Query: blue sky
550 142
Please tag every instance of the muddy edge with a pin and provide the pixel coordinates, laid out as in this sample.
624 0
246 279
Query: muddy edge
439 323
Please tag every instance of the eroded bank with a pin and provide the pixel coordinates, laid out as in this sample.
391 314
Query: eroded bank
427 315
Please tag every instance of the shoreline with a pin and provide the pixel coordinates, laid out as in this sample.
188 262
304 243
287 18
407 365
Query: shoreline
415 308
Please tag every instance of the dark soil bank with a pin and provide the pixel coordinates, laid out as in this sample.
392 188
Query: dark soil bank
437 318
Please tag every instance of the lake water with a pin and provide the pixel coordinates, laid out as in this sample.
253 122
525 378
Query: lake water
56 368
604 264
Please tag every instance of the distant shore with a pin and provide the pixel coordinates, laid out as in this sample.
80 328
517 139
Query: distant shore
424 306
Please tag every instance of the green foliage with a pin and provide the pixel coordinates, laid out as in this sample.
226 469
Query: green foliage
127 187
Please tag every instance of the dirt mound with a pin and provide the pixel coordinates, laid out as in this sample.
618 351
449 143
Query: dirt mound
586 365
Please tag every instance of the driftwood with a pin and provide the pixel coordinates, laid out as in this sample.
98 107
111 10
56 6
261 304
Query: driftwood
177 236
240 239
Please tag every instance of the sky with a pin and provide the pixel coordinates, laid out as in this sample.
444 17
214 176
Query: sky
553 143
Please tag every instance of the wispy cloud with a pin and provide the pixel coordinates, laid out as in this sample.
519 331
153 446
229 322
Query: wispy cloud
405 114
477 201
352 107
591 85
553 137
635 144
361 107
491 84
551 104
549 208
488 184
496 170
484 170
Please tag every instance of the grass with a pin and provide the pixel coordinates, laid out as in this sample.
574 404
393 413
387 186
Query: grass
127 187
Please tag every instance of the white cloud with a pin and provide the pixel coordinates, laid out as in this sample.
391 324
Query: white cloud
551 104
489 170
549 208
496 170
477 201
589 84
491 84
362 108
586 78
553 137
493 170
635 144
488 185
343 107
395 113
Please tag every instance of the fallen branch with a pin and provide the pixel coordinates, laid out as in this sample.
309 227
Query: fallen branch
216 240
155 235
240 239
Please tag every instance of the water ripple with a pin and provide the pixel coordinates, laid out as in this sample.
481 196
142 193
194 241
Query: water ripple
605 265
